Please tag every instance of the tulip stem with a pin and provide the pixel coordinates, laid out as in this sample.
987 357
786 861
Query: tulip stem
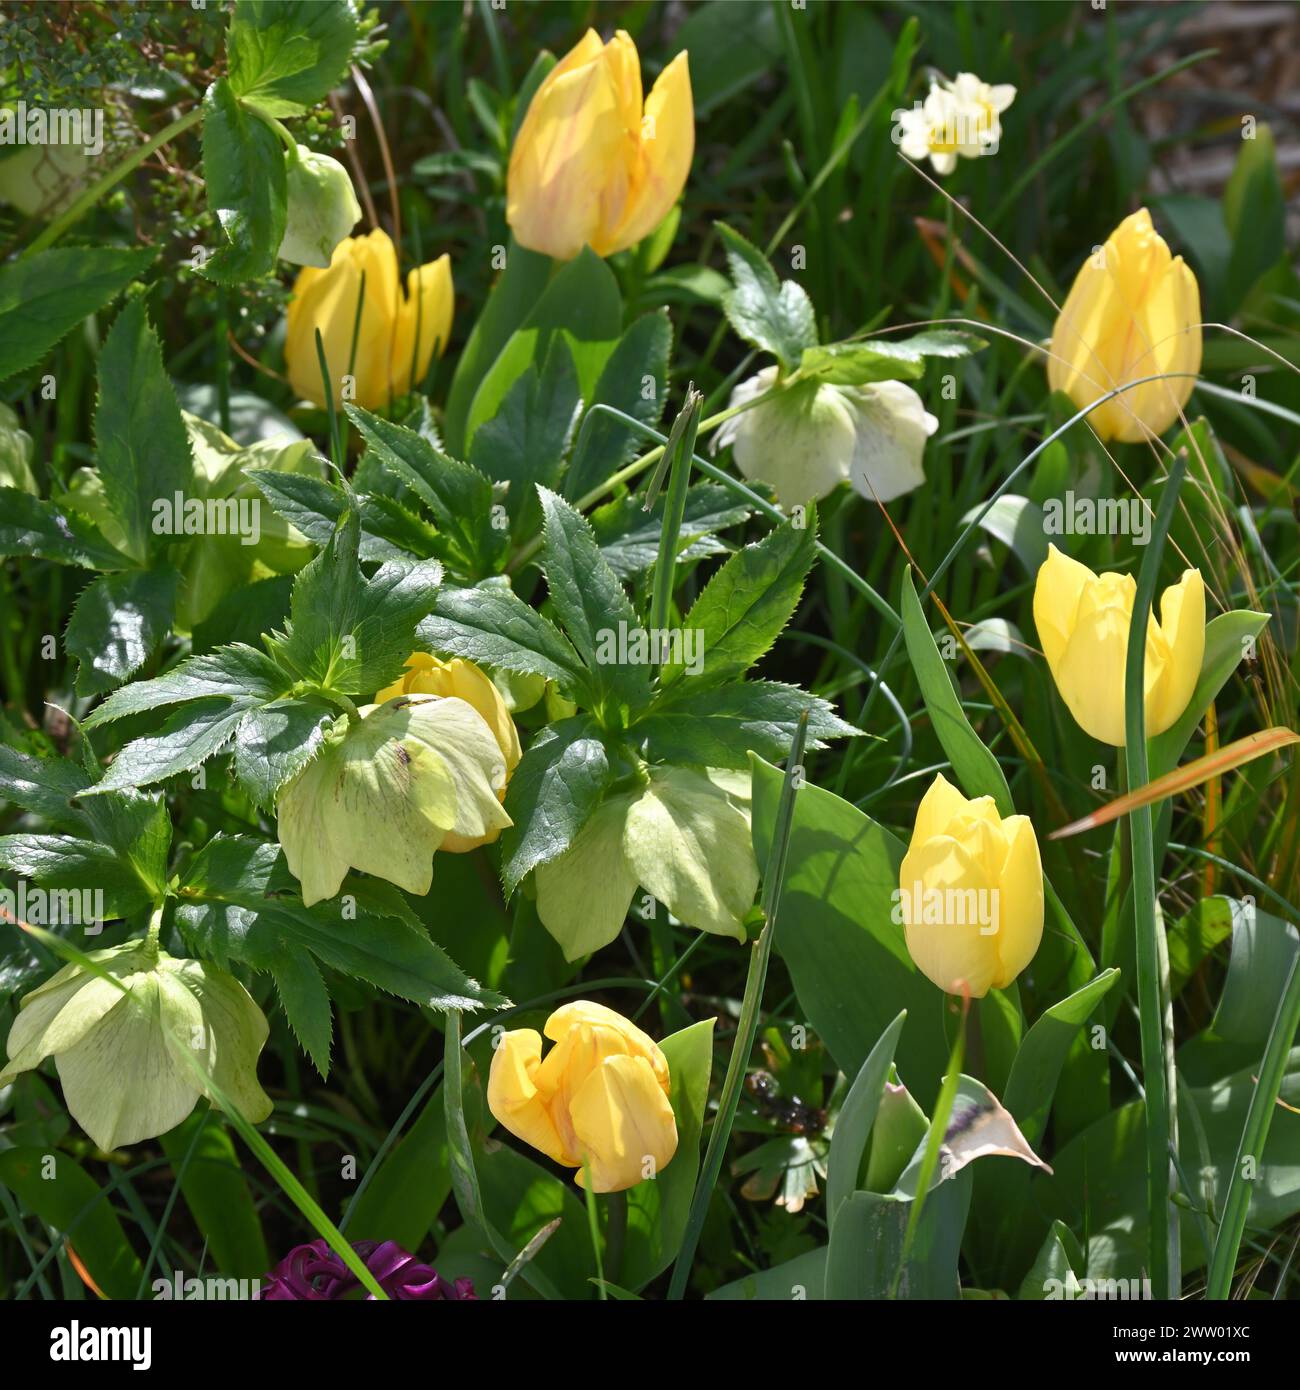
751 1005
1154 1013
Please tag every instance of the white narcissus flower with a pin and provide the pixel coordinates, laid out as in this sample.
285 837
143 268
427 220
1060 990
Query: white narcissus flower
123 1053
388 790
807 440
322 208
958 118
684 837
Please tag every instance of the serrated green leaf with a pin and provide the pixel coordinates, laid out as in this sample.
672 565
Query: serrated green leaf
117 623
243 168
44 786
141 443
720 727
190 737
588 599
47 531
306 1002
772 314
629 536
65 864
747 603
44 296
276 741
237 673
557 785
491 626
885 359
287 55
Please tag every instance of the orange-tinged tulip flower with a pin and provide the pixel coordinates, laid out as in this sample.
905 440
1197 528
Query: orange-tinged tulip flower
1133 311
1083 622
591 166
462 680
970 892
387 363
599 1096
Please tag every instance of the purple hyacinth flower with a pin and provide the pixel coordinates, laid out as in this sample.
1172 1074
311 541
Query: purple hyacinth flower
315 1273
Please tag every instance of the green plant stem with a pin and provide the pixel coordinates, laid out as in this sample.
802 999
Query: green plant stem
747 1028
674 507
1161 1120
115 175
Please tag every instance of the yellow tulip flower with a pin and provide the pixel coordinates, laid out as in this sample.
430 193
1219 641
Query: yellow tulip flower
591 166
462 680
970 892
387 364
1083 622
1133 311
600 1095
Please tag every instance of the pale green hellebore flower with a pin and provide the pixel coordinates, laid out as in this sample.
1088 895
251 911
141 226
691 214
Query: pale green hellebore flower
125 1056
15 454
322 208
387 790
808 439
684 837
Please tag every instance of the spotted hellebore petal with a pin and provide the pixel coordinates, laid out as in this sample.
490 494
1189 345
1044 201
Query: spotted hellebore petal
387 791
1083 622
684 837
600 1096
126 1056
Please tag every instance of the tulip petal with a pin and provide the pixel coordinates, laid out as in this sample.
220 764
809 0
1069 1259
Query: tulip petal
1182 622
1020 901
635 1042
624 1123
940 805
1057 590
426 309
959 955
513 1096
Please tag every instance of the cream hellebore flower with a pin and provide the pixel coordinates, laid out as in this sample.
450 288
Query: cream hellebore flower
600 1095
684 836
1083 622
322 208
122 1057
426 675
958 118
389 790
388 362
1133 311
591 166
810 438
970 892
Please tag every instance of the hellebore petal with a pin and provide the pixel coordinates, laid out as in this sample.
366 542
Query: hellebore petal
322 208
889 439
385 791
1133 311
583 895
690 846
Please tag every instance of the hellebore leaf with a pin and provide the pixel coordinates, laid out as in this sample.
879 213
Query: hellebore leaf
286 55
239 674
553 792
629 536
44 786
141 444
491 626
70 868
458 496
720 727
117 623
47 531
239 902
45 296
746 604
349 633
884 359
772 314
276 741
589 600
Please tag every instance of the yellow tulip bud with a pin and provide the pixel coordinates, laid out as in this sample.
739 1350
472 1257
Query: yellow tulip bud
387 363
426 675
1083 622
591 166
1133 311
599 1096
970 892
